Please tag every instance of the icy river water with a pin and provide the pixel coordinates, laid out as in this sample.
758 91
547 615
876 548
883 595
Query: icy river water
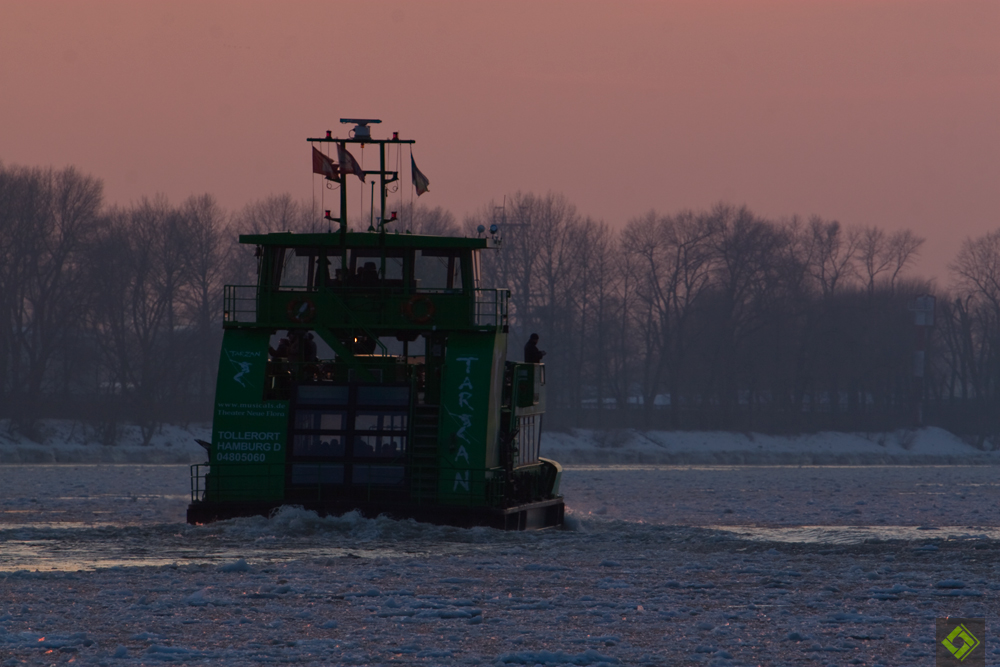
659 565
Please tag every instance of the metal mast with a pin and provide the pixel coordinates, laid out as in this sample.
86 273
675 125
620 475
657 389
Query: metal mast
361 134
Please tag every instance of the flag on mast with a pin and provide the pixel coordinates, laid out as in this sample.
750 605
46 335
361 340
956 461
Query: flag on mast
325 166
420 181
349 164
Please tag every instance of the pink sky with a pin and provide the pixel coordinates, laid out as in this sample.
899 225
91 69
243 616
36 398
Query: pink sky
867 112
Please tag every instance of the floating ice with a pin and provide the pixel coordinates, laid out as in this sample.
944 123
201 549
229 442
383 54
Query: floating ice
236 566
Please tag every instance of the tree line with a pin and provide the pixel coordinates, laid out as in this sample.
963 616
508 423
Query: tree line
112 314
724 319
718 319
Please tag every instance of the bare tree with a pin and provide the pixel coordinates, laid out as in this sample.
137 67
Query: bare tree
209 246
600 282
830 253
16 240
50 218
418 219
746 269
886 254
976 271
277 213
138 271
515 266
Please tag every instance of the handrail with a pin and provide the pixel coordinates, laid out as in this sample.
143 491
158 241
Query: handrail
239 303
491 306
237 300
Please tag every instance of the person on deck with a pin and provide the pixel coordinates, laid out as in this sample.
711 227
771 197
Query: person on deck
532 355
309 347
283 349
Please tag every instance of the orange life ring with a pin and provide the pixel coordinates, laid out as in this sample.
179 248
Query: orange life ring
427 306
301 310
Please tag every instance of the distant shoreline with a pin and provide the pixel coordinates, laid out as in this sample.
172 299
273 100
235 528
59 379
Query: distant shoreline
69 443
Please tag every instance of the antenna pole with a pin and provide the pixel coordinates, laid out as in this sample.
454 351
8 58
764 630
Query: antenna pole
344 269
343 191
381 177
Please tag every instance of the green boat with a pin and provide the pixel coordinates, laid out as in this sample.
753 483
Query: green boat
368 371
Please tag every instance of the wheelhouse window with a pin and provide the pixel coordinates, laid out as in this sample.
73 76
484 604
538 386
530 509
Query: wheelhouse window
331 269
437 270
370 269
476 270
294 268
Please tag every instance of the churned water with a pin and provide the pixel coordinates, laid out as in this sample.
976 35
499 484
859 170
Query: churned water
657 565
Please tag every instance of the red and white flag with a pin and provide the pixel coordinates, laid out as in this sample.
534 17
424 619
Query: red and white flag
325 166
349 164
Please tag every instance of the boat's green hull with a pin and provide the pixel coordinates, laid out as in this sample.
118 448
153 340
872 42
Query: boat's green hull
540 514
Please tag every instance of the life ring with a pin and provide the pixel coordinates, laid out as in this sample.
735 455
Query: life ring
301 310
425 304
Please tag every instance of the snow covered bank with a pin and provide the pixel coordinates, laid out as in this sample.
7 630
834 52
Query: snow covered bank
66 441
71 442
924 446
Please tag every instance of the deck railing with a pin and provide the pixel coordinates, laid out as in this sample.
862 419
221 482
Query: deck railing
491 307
239 303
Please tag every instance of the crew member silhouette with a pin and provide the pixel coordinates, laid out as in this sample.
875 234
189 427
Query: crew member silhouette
532 355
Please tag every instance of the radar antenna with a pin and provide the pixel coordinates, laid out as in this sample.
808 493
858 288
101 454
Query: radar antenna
361 129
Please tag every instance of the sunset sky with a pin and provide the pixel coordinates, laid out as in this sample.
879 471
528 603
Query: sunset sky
871 112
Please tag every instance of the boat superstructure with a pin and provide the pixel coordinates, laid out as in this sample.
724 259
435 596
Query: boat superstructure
368 370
